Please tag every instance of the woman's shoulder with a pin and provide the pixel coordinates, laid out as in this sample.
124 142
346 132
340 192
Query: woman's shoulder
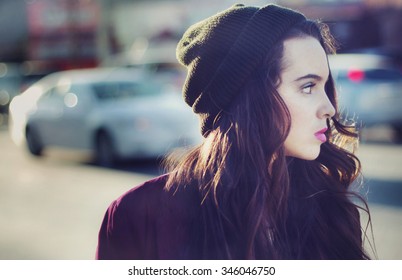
148 215
152 196
148 192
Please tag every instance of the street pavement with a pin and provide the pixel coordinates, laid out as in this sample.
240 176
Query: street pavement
51 208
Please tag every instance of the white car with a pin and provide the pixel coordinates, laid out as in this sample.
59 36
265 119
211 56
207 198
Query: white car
369 88
115 113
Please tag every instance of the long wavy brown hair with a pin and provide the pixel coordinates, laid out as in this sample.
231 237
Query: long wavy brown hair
257 203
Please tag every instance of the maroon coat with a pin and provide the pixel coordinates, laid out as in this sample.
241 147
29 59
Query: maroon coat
149 222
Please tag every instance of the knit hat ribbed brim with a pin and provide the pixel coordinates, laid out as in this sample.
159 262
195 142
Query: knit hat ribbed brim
222 51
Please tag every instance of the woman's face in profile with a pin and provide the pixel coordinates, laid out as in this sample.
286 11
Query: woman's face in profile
303 90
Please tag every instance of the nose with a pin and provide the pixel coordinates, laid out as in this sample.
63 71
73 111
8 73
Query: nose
326 109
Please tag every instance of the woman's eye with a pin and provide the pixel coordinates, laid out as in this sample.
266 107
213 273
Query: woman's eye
308 88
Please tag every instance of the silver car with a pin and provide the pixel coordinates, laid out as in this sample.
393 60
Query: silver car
114 113
369 88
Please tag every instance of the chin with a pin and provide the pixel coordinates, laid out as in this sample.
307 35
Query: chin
306 154
312 157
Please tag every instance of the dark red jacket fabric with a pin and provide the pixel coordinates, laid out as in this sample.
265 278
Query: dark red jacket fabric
149 222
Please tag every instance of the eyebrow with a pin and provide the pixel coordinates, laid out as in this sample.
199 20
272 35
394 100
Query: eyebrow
310 76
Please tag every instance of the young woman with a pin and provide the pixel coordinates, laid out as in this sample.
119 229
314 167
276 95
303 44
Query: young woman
272 178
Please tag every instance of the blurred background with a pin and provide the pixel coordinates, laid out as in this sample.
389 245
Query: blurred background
66 152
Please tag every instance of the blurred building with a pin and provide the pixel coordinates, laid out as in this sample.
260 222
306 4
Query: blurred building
80 33
358 25
13 30
60 34
63 31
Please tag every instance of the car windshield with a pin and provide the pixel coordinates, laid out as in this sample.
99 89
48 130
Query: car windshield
107 91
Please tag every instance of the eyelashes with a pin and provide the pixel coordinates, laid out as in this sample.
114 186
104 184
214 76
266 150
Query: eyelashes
308 88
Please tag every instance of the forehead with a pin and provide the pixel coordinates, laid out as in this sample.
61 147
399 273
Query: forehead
303 56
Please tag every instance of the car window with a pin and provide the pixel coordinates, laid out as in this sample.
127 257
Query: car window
124 90
381 75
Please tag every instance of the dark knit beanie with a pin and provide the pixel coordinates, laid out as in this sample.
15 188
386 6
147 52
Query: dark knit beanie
222 51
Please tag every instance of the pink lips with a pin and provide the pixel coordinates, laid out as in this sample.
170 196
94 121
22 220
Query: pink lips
320 135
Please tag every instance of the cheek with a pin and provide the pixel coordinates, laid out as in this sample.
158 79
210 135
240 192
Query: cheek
300 142
296 131
298 115
295 127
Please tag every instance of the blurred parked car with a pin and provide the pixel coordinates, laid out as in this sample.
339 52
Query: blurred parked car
115 113
369 88
10 81
16 77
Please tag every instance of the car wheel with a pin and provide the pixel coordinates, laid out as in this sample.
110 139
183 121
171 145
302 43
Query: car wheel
33 142
104 150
